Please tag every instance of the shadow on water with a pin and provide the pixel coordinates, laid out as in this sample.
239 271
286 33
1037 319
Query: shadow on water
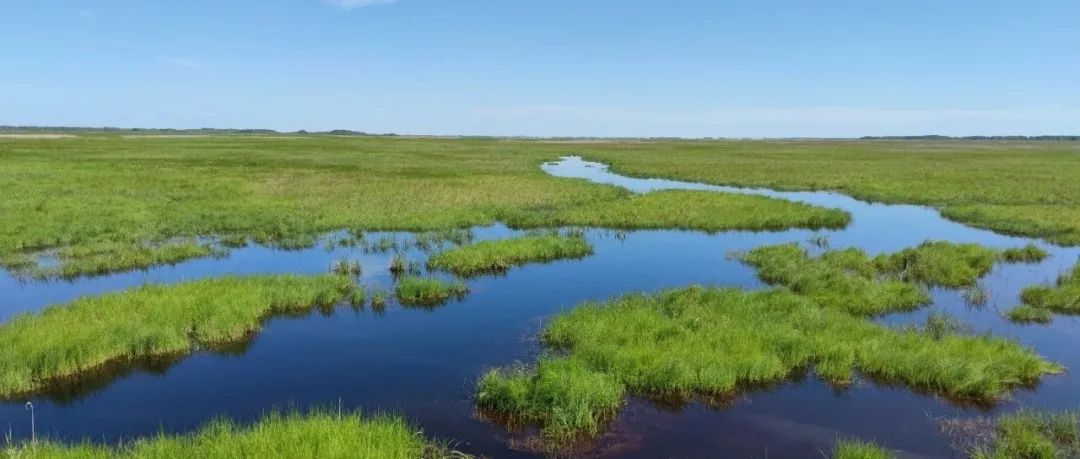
423 363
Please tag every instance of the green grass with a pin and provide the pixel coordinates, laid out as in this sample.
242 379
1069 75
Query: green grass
1024 188
413 290
1034 435
715 342
1030 253
940 263
690 210
1063 298
562 395
846 280
318 434
153 320
92 191
501 255
855 449
1029 314
103 258
850 280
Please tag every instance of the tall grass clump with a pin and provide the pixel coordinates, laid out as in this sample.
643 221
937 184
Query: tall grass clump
1030 434
428 291
715 342
944 264
320 434
856 449
1030 253
1025 314
563 396
846 279
153 320
1062 298
501 255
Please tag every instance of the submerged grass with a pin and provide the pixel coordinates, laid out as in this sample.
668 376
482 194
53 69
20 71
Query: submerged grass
152 320
714 342
318 434
413 290
500 255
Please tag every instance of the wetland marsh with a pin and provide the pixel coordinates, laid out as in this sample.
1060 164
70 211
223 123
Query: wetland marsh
588 313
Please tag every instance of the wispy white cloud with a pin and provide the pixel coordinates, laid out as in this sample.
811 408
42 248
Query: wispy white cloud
350 4
181 62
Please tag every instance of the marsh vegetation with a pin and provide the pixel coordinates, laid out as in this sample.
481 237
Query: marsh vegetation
714 342
153 320
500 255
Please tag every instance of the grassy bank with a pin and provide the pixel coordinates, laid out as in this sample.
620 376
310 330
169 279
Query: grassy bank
92 191
501 255
319 434
1035 186
153 320
714 342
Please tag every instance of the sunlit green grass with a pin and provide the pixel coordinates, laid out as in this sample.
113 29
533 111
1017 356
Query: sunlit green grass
500 255
154 320
1025 188
413 290
1033 435
319 434
850 280
846 279
93 190
715 342
1062 298
691 210
940 263
855 449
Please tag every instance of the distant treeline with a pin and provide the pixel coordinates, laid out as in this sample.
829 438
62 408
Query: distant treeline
977 137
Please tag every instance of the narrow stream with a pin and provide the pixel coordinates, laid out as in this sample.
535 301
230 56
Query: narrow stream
422 363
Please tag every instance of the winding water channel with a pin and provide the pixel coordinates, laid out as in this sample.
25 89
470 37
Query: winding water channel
422 363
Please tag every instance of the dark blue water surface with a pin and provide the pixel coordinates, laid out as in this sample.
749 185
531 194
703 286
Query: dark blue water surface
422 363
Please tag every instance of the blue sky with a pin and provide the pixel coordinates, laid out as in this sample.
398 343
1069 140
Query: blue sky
692 68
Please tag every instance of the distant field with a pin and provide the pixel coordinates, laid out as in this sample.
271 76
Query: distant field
103 190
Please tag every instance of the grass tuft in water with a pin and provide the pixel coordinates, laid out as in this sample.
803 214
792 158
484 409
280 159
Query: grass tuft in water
428 291
1063 298
715 342
856 449
346 267
1028 314
1030 253
103 258
846 279
501 255
563 396
1025 434
318 434
152 320
939 263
